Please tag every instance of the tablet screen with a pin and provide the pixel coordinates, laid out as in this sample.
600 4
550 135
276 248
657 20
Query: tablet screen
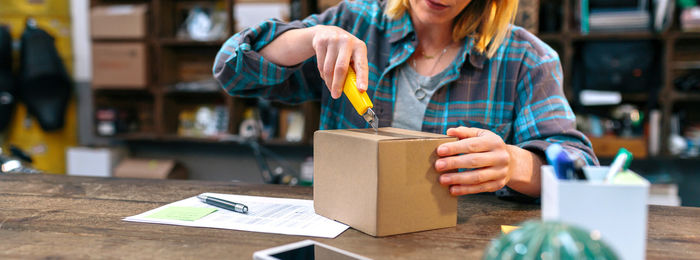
312 252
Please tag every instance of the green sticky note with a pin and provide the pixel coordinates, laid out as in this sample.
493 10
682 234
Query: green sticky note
182 213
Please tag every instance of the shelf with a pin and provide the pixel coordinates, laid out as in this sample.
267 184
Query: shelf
124 91
616 36
174 42
122 40
224 139
686 65
635 97
686 35
206 92
551 36
685 96
134 136
195 139
282 142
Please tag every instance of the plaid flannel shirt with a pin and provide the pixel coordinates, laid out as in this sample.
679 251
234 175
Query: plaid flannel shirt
516 94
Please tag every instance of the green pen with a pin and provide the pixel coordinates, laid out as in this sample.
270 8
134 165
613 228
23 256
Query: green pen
622 162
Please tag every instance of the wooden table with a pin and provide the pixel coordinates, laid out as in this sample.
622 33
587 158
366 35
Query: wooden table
62 217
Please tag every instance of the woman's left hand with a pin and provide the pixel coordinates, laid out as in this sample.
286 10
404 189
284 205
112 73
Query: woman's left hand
480 150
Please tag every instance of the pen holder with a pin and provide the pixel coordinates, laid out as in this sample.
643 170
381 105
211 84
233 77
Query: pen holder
617 211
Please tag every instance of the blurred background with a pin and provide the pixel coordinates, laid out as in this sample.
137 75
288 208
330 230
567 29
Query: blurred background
124 88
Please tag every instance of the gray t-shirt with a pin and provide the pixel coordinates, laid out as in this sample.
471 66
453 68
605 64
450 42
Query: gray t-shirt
412 96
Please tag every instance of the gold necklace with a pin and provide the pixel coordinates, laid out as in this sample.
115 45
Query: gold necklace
419 92
429 57
436 61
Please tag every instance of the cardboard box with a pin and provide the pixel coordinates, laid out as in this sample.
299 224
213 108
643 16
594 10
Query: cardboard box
251 13
96 162
150 169
608 145
381 183
617 211
119 65
118 21
325 4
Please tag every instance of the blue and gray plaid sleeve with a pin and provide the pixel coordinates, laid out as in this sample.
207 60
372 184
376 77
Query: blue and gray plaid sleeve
543 115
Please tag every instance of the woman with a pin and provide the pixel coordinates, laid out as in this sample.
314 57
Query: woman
446 66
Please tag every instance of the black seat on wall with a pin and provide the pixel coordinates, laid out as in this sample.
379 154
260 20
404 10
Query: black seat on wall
7 82
44 83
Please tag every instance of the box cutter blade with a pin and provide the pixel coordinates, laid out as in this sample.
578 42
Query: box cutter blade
360 101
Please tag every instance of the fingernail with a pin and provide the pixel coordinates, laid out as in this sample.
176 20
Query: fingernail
444 179
440 164
442 150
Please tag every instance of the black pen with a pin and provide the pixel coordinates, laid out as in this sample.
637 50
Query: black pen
224 204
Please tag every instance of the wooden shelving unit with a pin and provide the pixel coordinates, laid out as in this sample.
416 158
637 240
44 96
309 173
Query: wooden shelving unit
566 40
167 52
168 57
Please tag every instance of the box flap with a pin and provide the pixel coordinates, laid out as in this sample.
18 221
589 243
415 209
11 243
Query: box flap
386 133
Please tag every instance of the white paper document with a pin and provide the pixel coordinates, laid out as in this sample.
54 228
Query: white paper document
265 214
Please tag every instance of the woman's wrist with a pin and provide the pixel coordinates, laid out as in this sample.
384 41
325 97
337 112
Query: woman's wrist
524 170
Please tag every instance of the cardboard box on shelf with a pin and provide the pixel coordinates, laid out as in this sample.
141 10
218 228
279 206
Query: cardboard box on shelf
381 183
96 162
118 21
608 145
150 169
119 65
325 4
251 13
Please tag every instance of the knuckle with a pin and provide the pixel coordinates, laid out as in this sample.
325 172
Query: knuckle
477 178
501 158
340 70
470 190
496 186
468 146
491 187
505 158
467 162
323 39
360 45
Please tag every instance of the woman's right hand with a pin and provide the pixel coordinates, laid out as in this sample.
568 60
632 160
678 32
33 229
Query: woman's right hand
335 48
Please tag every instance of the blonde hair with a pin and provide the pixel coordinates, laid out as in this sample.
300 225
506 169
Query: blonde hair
488 21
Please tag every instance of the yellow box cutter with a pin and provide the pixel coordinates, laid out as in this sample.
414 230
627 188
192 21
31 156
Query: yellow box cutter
361 102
